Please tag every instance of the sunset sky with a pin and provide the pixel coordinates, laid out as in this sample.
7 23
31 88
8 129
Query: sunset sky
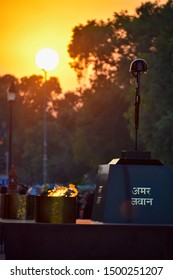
30 25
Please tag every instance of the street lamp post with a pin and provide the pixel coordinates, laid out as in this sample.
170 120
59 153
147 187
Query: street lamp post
46 60
45 134
11 96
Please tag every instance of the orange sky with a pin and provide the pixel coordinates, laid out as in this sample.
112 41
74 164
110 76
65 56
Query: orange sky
29 25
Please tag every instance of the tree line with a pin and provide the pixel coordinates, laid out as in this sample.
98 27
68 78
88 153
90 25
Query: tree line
94 123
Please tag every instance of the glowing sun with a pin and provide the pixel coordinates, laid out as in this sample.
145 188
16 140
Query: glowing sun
47 59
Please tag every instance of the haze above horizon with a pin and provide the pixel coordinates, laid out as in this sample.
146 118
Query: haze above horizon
28 26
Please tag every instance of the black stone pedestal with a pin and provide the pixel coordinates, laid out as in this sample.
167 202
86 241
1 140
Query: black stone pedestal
134 191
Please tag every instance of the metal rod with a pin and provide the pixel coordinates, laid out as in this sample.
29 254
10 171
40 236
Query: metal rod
137 104
136 139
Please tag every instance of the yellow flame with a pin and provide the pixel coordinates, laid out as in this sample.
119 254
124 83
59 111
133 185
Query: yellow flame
72 187
59 191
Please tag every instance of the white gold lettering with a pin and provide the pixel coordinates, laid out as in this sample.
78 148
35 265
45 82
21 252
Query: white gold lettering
141 201
141 190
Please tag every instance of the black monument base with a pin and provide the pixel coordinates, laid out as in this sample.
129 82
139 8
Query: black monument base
134 189
36 241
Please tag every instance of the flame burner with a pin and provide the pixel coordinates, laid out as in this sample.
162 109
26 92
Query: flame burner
58 207
59 191
17 206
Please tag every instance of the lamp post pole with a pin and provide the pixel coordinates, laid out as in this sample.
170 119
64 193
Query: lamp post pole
45 132
12 176
10 134
46 59
11 96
